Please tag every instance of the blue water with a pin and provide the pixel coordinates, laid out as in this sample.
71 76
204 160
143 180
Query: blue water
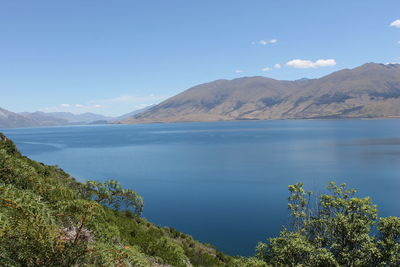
225 183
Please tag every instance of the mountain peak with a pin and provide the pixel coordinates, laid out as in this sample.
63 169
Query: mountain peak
370 90
372 65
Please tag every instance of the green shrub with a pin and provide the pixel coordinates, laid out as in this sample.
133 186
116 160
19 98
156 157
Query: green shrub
47 218
337 232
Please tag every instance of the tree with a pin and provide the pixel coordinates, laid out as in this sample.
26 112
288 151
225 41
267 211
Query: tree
47 218
336 232
110 193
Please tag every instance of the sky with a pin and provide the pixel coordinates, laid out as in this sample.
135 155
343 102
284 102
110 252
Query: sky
112 57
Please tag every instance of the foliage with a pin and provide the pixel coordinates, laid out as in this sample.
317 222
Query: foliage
47 218
110 193
389 241
337 232
249 262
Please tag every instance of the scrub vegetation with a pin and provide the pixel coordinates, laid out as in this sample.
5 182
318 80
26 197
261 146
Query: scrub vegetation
47 218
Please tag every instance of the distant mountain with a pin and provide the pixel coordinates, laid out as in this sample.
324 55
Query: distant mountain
10 119
369 91
78 118
39 118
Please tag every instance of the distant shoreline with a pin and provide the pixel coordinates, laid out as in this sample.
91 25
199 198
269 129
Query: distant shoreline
243 120
172 122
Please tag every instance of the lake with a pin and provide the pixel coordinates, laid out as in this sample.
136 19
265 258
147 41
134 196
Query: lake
225 183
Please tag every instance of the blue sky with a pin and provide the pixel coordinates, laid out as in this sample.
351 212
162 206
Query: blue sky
112 57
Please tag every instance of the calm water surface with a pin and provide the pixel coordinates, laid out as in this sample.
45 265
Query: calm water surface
225 183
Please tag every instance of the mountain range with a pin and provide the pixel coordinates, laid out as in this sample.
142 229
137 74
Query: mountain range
369 91
87 117
10 119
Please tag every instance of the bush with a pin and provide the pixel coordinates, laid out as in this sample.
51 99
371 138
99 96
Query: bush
47 218
337 232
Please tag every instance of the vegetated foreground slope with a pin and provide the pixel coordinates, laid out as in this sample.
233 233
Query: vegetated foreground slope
369 91
47 218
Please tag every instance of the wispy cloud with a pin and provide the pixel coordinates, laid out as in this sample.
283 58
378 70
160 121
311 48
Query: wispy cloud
395 23
238 71
133 99
266 69
127 102
277 66
111 106
74 108
266 42
306 64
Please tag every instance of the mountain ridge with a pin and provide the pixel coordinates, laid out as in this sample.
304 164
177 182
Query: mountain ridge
86 117
369 91
9 119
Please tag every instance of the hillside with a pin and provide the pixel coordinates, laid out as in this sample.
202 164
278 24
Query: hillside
369 91
47 218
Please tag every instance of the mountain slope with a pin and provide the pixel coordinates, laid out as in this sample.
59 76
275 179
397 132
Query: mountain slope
371 90
131 114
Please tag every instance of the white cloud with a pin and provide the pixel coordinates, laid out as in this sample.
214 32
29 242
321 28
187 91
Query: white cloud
79 106
395 23
277 66
266 69
305 64
64 105
238 71
265 42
